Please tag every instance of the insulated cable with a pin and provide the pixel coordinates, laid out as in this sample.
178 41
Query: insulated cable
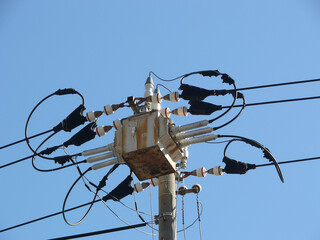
276 101
267 154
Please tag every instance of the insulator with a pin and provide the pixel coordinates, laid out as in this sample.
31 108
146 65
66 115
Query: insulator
185 155
109 147
182 190
108 109
165 112
200 172
188 141
100 157
157 98
172 97
102 130
181 111
217 171
193 133
176 129
106 163
117 124
197 188
139 187
154 181
93 115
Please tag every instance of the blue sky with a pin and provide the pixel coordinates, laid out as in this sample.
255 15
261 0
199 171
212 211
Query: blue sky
106 49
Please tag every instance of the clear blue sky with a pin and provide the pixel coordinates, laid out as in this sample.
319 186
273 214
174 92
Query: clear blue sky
105 50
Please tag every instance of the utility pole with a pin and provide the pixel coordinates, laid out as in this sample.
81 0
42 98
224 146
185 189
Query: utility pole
167 208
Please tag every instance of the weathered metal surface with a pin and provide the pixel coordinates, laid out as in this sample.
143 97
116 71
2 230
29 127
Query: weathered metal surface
146 146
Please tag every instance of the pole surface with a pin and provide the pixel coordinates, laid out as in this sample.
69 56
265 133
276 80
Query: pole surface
167 208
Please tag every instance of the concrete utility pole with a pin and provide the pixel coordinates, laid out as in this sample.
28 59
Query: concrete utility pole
167 208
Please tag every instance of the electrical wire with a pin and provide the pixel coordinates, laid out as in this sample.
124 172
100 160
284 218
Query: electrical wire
53 169
66 198
279 84
201 211
58 92
163 87
234 118
100 232
235 96
267 154
120 217
276 101
199 219
165 80
22 140
290 161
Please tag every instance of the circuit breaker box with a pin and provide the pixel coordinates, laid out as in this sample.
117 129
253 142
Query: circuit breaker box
146 146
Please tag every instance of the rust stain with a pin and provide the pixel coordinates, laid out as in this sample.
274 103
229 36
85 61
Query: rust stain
142 132
156 129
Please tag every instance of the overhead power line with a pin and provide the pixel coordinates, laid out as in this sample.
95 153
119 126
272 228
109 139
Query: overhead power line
291 161
101 232
276 101
22 140
279 84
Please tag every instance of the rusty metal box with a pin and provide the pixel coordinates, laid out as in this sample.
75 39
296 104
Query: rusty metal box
146 146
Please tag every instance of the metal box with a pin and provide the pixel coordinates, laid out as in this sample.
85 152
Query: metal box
144 143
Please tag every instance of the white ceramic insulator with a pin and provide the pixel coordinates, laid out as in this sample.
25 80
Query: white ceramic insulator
174 97
105 164
197 188
217 171
201 172
189 126
156 106
138 187
100 157
193 133
108 109
109 147
90 116
165 112
181 111
100 131
117 124
157 98
185 155
154 181
189 141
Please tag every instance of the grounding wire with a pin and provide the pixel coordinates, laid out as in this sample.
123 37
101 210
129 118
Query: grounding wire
201 211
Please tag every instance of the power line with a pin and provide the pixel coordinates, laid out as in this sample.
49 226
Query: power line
48 216
22 140
291 161
101 232
276 101
279 84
